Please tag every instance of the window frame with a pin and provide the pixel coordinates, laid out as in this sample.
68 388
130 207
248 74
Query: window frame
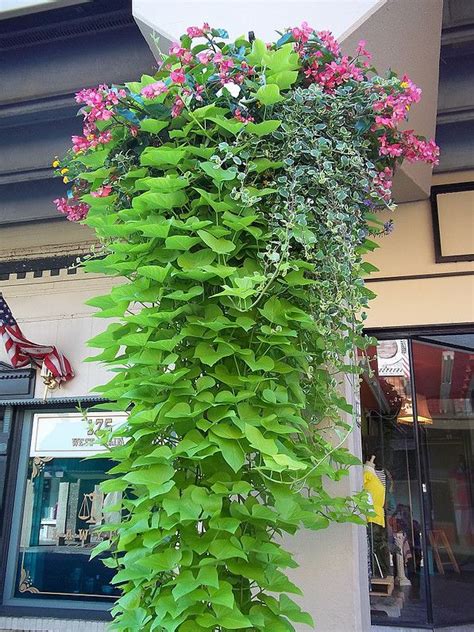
16 476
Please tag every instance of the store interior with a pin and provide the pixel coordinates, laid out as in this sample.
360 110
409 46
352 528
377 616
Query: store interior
417 401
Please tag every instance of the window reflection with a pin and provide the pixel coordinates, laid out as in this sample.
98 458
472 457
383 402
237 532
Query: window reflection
391 478
444 378
63 509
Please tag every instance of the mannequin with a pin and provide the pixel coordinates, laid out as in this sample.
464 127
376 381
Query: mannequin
376 490
378 544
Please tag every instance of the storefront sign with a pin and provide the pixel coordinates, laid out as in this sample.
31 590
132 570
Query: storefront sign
72 434
393 359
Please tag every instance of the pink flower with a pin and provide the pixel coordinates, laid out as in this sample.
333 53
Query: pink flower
177 108
102 191
362 51
183 54
393 107
243 118
79 144
74 212
302 33
91 140
101 101
383 183
329 42
204 57
394 150
198 90
417 149
226 64
195 31
178 76
153 90
334 74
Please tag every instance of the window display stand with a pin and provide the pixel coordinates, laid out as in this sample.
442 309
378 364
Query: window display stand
401 579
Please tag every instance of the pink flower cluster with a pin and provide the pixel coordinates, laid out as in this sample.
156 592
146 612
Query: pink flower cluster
362 51
243 117
83 143
178 76
411 147
74 212
100 102
205 56
393 108
329 42
195 31
103 191
184 54
178 107
334 74
383 183
302 33
153 90
419 150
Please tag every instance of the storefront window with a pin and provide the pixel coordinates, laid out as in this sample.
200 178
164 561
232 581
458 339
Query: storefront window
62 510
391 478
444 379
417 402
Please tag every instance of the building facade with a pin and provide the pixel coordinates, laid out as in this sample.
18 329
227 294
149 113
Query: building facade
414 568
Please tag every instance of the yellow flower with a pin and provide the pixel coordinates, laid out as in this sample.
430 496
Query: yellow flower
65 179
55 163
64 171
404 85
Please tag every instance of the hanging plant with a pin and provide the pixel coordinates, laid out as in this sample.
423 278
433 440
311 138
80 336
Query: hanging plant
235 195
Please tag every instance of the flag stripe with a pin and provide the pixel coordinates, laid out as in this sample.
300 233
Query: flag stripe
21 351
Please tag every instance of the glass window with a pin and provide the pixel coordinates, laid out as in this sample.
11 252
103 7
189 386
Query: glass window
63 506
391 477
444 379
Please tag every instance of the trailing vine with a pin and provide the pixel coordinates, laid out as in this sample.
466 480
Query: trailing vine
235 195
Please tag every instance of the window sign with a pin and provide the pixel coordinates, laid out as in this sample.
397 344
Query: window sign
63 508
393 359
72 434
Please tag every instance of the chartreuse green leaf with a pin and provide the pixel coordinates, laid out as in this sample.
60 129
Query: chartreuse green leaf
221 246
94 159
284 79
259 53
153 125
269 94
157 273
156 479
162 156
218 174
262 129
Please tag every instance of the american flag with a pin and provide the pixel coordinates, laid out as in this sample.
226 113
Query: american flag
22 352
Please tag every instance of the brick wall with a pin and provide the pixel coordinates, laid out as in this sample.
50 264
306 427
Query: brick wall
28 624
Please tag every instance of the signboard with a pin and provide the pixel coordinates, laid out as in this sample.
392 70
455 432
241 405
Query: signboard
69 435
393 359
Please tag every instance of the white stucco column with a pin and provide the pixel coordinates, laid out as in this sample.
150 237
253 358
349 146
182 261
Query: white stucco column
333 569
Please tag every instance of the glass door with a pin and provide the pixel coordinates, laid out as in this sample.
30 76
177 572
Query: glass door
396 562
444 384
